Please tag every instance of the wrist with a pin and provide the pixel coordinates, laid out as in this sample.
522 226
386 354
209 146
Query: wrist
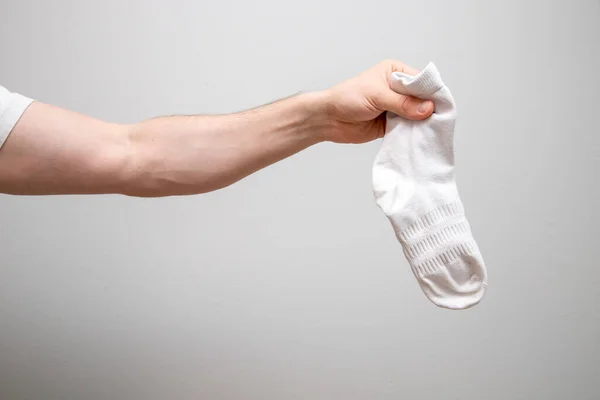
317 123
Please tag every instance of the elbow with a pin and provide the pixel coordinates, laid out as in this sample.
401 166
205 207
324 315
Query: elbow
150 168
135 176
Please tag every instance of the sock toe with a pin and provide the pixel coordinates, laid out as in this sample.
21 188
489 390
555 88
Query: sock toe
458 285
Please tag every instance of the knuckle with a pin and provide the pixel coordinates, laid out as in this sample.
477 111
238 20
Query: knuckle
389 64
397 66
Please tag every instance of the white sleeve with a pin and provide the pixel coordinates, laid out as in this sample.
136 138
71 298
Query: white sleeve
12 106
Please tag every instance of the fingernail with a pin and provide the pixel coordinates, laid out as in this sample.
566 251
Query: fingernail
423 107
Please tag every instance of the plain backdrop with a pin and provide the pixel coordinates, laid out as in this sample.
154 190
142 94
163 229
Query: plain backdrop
290 284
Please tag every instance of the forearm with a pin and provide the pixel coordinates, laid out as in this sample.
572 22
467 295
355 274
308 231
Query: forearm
55 151
196 154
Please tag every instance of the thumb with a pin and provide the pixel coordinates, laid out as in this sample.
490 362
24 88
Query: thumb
405 106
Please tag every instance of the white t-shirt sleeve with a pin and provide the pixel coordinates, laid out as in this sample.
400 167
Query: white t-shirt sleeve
12 106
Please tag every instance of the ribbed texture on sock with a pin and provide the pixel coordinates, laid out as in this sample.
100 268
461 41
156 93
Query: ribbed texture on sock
437 239
432 218
433 264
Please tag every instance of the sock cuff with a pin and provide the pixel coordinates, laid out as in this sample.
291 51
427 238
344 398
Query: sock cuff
437 239
425 83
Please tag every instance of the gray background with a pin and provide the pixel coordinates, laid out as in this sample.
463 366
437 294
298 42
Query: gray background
290 284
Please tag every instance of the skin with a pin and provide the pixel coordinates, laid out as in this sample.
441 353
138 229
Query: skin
57 151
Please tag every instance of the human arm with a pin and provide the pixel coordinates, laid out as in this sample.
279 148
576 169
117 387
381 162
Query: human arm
55 151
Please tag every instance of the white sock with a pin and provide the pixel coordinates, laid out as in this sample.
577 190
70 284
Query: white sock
414 185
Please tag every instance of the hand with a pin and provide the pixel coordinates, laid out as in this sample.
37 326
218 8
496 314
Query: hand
356 107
